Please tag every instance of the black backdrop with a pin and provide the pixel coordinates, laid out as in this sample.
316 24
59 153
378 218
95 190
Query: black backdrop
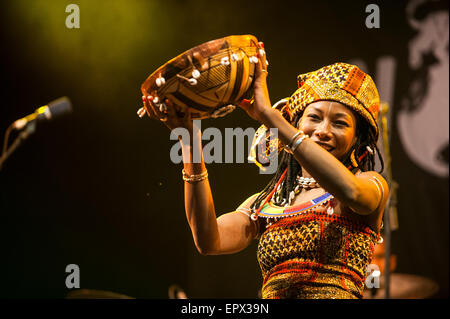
97 188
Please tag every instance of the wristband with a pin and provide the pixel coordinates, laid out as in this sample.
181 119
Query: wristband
295 142
194 178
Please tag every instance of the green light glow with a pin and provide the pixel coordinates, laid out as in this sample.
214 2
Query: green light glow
113 35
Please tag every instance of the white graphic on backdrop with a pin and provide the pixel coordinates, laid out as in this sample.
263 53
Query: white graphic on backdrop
423 124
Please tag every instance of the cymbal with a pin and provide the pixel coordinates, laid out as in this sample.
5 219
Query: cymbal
176 292
95 294
405 286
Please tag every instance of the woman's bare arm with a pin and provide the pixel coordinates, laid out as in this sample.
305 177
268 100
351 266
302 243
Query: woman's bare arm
362 193
227 234
230 232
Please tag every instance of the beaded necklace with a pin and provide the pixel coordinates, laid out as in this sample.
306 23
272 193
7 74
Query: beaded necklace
271 211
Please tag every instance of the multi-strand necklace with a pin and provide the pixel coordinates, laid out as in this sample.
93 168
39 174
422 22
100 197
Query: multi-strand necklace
300 183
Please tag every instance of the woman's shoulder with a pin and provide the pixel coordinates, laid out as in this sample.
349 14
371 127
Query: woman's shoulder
375 177
247 203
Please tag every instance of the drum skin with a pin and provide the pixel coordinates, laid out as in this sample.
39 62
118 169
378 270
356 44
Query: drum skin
209 79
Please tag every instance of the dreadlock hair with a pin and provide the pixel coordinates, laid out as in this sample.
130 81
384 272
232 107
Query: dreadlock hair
365 138
364 159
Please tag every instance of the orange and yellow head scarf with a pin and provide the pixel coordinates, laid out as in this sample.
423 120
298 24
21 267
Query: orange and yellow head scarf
340 82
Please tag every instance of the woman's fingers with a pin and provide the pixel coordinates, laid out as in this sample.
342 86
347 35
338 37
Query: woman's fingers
155 108
187 116
261 69
263 57
175 119
170 108
148 108
245 104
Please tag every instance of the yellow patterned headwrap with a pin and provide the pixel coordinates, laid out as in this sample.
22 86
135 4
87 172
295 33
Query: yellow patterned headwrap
340 82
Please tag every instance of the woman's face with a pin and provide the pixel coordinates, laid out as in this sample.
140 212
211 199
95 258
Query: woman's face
331 125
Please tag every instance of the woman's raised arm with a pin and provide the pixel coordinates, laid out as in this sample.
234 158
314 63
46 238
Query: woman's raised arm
230 232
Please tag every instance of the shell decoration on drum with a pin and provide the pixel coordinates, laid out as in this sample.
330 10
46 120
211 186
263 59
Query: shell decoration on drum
209 79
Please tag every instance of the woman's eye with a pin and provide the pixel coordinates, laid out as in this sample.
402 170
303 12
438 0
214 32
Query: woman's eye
314 117
341 123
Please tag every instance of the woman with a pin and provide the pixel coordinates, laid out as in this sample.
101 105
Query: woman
323 208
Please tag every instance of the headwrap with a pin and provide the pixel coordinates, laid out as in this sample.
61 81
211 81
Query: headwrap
339 82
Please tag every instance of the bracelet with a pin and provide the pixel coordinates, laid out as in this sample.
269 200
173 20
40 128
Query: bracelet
295 142
194 178
289 145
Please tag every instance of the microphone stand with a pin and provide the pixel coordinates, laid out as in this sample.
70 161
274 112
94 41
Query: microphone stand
390 214
54 108
30 128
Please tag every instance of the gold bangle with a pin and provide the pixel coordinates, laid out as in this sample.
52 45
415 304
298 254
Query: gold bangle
194 178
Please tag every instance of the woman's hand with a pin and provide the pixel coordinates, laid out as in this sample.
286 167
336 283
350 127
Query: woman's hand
167 113
261 101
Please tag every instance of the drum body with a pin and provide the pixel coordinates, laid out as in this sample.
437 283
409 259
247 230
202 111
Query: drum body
209 79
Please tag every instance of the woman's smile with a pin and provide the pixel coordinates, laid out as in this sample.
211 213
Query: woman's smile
327 147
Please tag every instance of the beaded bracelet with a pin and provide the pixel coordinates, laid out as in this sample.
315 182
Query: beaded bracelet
194 178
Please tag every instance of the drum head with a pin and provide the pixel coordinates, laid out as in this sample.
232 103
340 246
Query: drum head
209 79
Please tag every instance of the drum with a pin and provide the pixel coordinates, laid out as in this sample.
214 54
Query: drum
209 79
404 286
95 294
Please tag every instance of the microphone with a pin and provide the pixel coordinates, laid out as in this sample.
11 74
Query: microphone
46 112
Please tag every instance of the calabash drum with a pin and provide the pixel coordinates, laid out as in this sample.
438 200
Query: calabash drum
209 79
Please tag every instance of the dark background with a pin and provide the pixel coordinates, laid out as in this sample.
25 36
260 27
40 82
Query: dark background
97 188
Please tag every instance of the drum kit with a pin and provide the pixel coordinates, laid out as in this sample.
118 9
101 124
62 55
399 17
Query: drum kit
403 286
95 294
174 292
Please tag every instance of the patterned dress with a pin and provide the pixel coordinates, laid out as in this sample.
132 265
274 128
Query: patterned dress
315 255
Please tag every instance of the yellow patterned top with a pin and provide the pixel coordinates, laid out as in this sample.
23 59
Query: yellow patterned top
315 256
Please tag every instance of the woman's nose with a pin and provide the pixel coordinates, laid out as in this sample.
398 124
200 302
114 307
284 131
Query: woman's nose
323 130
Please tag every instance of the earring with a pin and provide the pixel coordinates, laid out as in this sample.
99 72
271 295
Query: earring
353 159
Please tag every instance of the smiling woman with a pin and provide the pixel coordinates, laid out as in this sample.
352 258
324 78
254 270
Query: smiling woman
319 235
319 218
